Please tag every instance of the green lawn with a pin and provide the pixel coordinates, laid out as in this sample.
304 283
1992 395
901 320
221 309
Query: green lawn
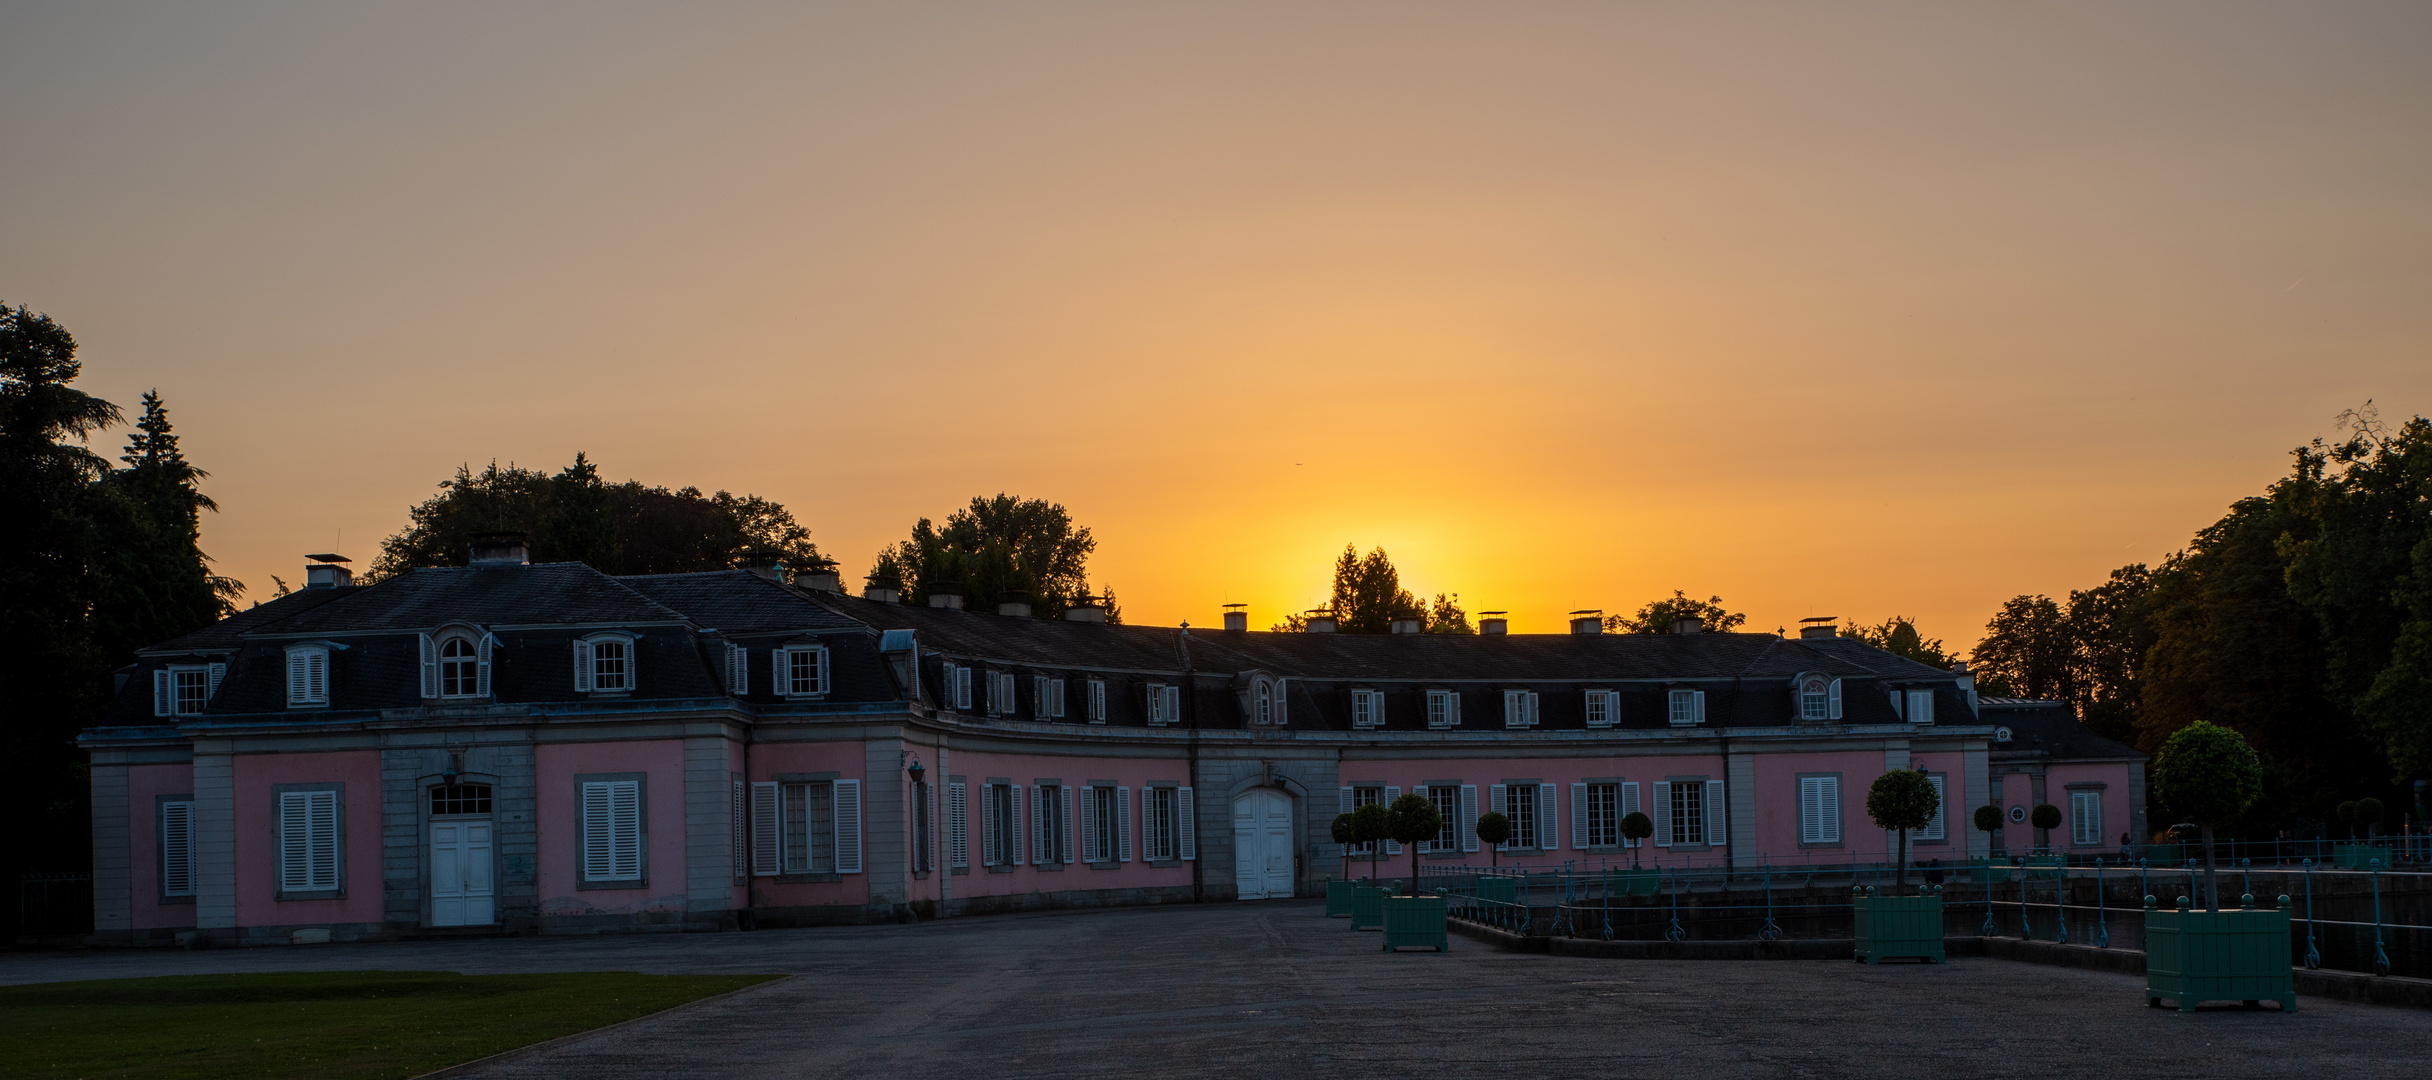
354 1024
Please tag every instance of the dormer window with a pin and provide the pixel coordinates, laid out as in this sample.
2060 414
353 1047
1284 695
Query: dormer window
307 675
1819 698
1367 709
1519 708
456 664
604 664
185 689
1001 700
1097 701
1920 707
1047 697
1687 708
1264 696
1164 703
1443 708
802 671
1603 708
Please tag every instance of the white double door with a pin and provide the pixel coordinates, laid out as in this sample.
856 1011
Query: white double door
462 893
1262 844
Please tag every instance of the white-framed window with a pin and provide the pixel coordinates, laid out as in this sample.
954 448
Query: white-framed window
309 830
185 689
1687 813
2085 818
612 830
1262 698
1520 805
1002 699
1000 825
806 827
801 670
958 686
307 675
1443 708
1686 708
1447 798
1603 708
1937 829
1051 824
1047 696
1819 698
1157 826
456 664
1106 824
1519 708
958 825
738 670
1359 795
1367 709
1097 701
1819 809
1164 703
1920 706
177 847
1598 815
605 664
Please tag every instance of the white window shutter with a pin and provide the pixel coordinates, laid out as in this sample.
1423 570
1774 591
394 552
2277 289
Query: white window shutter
1533 700
1716 834
988 825
177 848
1038 831
1392 847
1832 700
164 693
958 825
1548 836
1811 812
739 822
1935 829
738 670
1015 808
1629 806
766 814
1663 813
1189 821
1173 704
582 667
299 678
293 870
1066 854
211 688
1579 816
1089 833
781 673
324 839
430 667
822 661
1697 706
1499 803
1469 817
1921 706
1123 824
481 663
848 826
625 822
316 667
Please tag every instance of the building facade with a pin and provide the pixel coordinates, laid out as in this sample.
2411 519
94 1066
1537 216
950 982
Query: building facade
508 747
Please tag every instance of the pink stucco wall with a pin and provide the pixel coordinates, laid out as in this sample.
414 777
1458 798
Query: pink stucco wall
257 845
1026 770
1560 772
846 759
145 783
2017 789
2114 779
1958 808
561 826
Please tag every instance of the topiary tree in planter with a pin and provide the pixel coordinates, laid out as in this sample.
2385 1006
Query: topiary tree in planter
1371 825
2209 775
2346 813
1902 799
2045 818
1346 836
1988 822
1413 820
1493 830
2368 814
1636 827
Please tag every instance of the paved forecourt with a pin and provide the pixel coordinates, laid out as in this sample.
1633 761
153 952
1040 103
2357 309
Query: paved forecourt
1228 989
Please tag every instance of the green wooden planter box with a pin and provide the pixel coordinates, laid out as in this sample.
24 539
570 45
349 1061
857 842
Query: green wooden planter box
2240 954
1892 927
1338 898
1368 907
1416 922
2359 856
2045 867
2171 854
1983 872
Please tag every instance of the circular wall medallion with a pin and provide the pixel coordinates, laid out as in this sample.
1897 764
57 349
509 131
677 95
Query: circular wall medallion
2001 734
2018 815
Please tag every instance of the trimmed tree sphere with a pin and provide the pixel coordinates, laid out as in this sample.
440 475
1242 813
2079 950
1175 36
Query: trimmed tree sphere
1413 819
1902 799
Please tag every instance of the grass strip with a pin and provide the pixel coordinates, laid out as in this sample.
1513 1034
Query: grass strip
342 1024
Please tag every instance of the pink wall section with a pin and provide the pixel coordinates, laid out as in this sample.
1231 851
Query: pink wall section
257 847
1560 772
2114 779
846 759
1027 769
144 784
1777 801
561 825
1958 809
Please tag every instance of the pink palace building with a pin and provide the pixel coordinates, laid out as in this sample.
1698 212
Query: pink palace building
506 748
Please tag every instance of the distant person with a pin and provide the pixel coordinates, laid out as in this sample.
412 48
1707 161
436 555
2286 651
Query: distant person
1933 871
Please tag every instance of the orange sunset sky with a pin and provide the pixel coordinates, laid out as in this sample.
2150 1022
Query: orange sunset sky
1849 309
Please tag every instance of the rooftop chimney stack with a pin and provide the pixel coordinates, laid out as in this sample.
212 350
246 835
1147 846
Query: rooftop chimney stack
1493 623
1688 625
1321 622
1237 616
822 576
948 595
1819 627
1015 602
327 572
1407 624
497 549
1086 608
874 592
1587 621
763 563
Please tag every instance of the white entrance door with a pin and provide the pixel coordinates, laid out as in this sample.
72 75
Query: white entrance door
461 893
1262 844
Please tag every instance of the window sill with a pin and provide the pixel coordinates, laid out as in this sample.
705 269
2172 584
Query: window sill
807 879
317 894
611 886
1164 864
999 869
1834 846
166 900
960 871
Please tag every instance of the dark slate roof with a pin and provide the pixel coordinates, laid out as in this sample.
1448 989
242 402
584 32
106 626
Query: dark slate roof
230 632
565 594
1016 639
2048 728
737 602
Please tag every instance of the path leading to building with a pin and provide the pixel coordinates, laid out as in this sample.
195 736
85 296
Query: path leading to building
1264 989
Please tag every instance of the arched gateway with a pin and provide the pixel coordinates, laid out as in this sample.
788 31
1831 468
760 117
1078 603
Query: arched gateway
1262 844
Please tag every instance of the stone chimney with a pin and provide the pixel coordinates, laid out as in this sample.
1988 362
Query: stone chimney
763 563
329 571
1493 623
1015 602
873 591
1321 622
1587 621
1237 616
496 549
947 594
1407 624
1085 608
1819 627
1687 625
822 576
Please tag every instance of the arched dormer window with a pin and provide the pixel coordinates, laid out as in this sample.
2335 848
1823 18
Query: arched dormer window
1819 697
605 664
456 664
1265 694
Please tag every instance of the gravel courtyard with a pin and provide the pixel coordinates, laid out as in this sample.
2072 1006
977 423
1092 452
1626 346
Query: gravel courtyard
1251 989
